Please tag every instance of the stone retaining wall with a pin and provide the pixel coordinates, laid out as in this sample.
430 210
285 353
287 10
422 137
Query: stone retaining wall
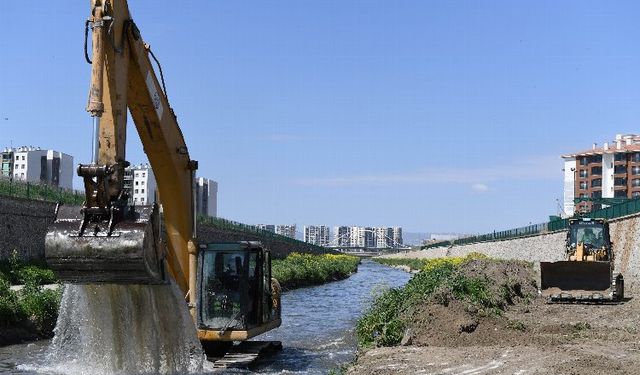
24 222
23 225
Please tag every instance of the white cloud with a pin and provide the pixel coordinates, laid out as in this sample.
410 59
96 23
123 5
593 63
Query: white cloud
541 168
479 188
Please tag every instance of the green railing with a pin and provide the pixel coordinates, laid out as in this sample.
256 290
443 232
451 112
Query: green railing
237 226
30 190
612 212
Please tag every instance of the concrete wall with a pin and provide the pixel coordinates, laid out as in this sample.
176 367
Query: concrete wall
23 225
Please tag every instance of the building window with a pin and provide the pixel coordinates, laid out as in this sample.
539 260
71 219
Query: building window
142 191
22 167
618 181
595 159
136 183
620 194
635 182
137 174
21 175
596 194
596 182
23 157
141 182
142 200
635 170
597 171
620 169
135 191
620 157
583 173
144 174
635 156
635 194
583 185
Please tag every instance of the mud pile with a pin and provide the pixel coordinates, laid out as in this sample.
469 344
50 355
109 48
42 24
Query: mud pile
473 314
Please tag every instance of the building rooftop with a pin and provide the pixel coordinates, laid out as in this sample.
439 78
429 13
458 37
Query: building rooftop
622 144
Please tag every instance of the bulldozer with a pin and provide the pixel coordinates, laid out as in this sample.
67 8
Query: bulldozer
587 276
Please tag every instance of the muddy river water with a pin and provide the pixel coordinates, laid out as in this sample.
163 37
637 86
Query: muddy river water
317 331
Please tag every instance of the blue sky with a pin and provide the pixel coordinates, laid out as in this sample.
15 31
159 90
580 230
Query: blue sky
442 116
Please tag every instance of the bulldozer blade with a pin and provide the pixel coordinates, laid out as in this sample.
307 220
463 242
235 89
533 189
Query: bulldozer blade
129 255
572 280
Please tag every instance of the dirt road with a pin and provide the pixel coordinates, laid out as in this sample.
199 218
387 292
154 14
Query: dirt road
536 338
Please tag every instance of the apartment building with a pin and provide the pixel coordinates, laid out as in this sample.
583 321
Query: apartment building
206 197
384 237
397 237
610 171
33 164
341 236
286 230
267 227
316 234
140 183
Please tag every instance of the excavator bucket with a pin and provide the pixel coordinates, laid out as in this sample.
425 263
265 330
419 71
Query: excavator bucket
128 253
576 281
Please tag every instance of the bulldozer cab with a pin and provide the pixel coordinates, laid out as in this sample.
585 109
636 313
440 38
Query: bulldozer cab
235 288
588 239
591 233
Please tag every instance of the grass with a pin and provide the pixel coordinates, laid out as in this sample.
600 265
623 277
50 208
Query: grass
35 191
383 325
18 272
299 270
33 307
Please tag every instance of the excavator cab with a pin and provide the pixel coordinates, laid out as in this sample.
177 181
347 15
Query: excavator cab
238 297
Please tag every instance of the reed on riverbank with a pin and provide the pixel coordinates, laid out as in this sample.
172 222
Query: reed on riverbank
300 270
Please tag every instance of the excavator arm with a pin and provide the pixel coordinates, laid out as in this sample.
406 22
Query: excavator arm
107 240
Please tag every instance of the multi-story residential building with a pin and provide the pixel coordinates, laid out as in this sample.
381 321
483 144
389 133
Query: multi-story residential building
341 236
363 237
397 237
206 197
140 183
610 171
33 164
316 234
367 237
267 227
286 230
384 237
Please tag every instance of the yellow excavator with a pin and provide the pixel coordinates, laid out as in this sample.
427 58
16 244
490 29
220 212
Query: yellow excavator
588 273
227 286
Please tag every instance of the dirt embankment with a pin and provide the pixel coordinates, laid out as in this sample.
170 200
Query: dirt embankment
529 337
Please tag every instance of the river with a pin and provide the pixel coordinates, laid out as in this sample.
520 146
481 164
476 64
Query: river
317 329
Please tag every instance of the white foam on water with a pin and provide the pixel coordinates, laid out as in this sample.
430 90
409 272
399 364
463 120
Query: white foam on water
123 329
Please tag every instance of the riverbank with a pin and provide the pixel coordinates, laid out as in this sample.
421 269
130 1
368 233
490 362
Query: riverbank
484 316
302 270
28 312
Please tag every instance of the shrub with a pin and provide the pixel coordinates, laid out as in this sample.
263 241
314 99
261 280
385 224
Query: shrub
298 270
